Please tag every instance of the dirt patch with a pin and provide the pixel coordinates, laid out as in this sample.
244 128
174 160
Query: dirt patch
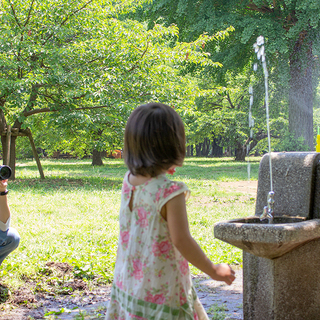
246 187
56 282
219 300
245 190
88 303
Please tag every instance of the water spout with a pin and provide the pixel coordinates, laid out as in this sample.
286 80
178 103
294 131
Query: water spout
268 212
259 50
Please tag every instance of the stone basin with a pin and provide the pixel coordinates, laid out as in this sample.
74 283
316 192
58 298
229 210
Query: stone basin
268 240
281 261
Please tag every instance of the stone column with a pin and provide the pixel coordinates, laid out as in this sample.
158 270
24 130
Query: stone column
285 288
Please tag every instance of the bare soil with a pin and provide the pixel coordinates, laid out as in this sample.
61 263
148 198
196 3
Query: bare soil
245 187
219 300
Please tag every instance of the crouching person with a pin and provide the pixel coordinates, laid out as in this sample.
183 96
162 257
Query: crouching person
9 237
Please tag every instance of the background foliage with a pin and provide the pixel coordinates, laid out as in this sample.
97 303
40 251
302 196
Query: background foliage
73 72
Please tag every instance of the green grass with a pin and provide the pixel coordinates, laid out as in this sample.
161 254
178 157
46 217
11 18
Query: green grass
72 216
217 312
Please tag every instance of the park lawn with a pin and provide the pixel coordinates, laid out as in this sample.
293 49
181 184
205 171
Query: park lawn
71 217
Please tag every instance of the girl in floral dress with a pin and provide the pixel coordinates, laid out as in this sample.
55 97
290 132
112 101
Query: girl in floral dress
152 279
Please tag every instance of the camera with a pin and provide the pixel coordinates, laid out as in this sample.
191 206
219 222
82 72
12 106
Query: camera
5 172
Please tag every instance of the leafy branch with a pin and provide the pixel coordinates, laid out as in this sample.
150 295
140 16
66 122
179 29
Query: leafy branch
66 19
29 13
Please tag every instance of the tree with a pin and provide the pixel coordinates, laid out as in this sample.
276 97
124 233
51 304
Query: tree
71 60
222 114
87 133
291 30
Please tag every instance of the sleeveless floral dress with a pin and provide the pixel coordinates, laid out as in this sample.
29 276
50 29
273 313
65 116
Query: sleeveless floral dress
151 279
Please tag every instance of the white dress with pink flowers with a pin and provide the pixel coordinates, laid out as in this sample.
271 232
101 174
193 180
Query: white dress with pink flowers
151 279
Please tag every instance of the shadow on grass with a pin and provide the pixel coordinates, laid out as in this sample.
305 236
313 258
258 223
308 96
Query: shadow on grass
53 184
234 171
81 175
4 293
70 165
227 160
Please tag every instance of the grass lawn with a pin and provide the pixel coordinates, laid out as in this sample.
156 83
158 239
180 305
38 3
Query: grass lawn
71 217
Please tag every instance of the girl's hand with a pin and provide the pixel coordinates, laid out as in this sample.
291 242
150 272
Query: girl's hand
223 272
3 185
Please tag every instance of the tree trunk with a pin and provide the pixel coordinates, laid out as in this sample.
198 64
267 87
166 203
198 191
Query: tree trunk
188 151
12 161
216 151
97 158
35 154
198 149
240 152
301 92
206 147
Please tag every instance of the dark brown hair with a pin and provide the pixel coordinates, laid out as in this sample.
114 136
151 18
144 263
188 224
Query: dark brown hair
154 140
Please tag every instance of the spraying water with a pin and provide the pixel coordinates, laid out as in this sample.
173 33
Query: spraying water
251 124
259 50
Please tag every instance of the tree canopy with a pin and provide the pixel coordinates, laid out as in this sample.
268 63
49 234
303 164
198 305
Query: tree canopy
85 65
291 30
76 71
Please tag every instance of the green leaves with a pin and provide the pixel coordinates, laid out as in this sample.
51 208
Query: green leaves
88 65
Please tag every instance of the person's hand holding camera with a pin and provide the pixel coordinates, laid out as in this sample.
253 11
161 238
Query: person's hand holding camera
5 173
3 186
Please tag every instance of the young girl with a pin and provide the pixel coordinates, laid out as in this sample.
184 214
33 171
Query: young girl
152 278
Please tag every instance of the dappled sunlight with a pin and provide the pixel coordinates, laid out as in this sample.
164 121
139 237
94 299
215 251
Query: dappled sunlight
52 185
64 168
74 215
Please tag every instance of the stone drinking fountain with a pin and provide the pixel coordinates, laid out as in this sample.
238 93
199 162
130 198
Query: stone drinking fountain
281 243
281 260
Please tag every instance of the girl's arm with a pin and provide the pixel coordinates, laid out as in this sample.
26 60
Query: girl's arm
176 216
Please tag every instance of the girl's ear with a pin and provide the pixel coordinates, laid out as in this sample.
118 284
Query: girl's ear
171 170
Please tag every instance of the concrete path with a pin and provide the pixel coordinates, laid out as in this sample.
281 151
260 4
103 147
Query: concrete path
220 300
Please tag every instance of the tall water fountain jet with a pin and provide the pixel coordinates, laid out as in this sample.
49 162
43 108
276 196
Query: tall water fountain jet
268 210
259 49
251 125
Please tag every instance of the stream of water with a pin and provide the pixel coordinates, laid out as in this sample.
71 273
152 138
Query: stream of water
259 50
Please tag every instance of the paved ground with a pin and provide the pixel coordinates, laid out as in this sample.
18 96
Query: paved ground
219 300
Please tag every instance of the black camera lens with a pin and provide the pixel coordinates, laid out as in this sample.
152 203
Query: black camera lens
5 172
